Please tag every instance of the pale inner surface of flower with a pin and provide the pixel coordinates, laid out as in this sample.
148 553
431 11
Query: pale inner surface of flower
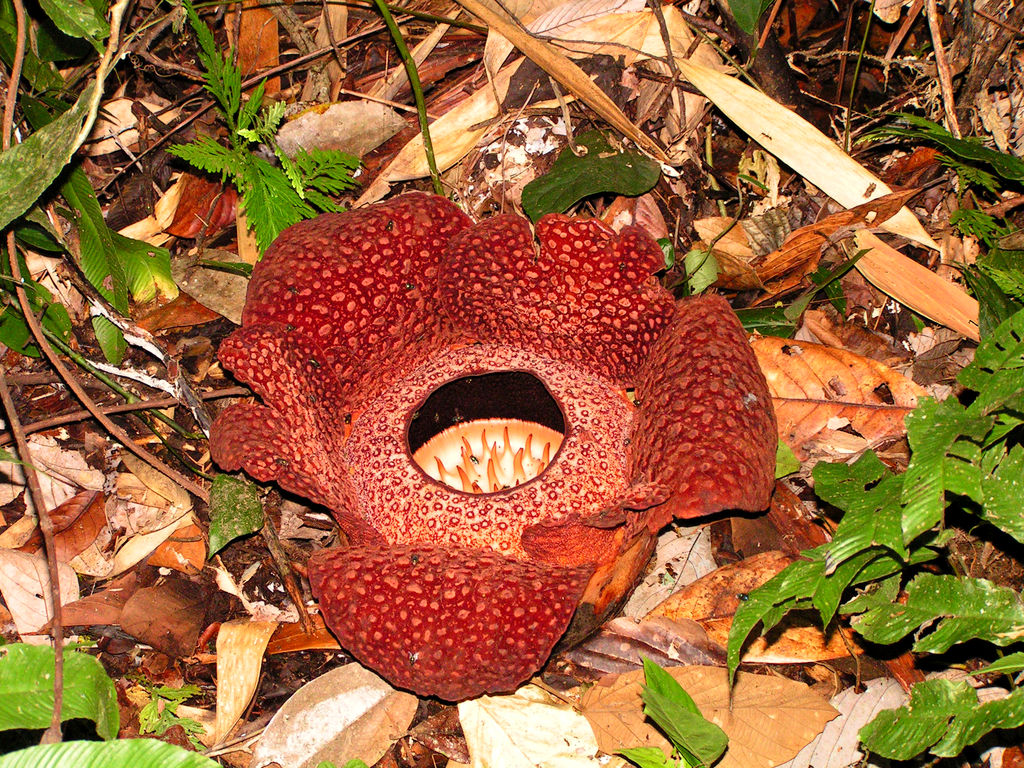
488 455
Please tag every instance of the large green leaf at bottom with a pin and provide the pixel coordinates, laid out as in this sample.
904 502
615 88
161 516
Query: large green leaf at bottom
128 753
26 689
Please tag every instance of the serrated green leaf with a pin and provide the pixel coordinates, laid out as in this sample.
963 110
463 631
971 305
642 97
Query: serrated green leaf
26 689
943 717
945 443
235 510
965 609
1003 491
77 19
900 734
137 753
27 169
997 371
869 493
601 170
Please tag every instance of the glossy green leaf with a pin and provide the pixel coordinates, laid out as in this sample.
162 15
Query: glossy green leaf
26 689
748 12
235 510
133 753
77 19
601 170
673 710
27 169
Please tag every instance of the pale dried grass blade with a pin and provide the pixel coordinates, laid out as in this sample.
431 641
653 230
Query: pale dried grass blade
801 146
916 286
240 647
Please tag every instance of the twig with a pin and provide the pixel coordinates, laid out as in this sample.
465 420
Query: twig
856 76
52 735
281 561
140 405
942 64
417 92
769 23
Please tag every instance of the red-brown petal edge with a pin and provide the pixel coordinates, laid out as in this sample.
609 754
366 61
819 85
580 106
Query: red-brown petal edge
451 623
359 289
706 428
586 297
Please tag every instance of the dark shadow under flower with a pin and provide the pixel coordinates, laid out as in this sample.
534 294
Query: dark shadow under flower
499 429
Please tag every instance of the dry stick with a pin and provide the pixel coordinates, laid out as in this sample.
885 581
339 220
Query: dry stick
769 24
52 734
142 405
942 64
284 568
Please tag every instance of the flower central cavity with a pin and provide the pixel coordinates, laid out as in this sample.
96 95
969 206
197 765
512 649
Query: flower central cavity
490 432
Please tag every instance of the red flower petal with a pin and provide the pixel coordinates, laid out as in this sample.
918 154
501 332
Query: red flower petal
706 428
360 286
452 623
587 297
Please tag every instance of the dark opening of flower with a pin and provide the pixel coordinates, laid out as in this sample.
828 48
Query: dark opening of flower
487 433
467 423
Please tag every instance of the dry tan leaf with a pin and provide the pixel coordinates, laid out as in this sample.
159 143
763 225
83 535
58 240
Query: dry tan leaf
768 719
240 646
24 584
731 250
17 533
151 229
348 713
115 128
821 393
890 11
681 557
62 474
526 729
712 601
800 145
836 746
916 286
356 127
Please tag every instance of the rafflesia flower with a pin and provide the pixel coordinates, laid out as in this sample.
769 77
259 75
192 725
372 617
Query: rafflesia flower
500 429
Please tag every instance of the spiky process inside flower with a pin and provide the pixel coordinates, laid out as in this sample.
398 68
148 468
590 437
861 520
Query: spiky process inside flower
362 335
488 455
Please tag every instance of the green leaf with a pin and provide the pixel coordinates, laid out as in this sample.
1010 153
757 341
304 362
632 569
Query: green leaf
26 690
748 12
235 510
647 757
1009 664
965 609
601 170
1009 167
943 717
1003 491
942 461
137 753
673 710
701 269
768 321
27 169
14 331
786 463
900 734
869 493
270 203
77 19
997 371
110 338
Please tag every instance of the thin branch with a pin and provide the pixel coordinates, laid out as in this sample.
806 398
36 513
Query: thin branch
942 64
52 735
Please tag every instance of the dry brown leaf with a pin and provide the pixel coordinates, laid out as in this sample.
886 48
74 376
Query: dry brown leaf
240 646
768 719
24 584
348 713
168 616
917 286
77 522
712 601
731 250
184 550
62 474
820 394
